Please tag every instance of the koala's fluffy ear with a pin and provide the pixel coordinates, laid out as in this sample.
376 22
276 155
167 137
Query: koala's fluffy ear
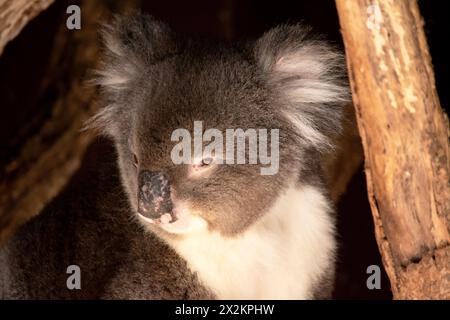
310 77
132 44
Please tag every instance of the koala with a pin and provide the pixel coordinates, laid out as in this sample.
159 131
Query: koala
140 226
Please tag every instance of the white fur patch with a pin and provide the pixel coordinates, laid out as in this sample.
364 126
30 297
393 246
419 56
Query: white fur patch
281 256
306 129
115 79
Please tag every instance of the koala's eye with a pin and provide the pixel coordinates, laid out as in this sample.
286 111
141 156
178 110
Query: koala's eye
203 164
206 162
135 160
202 168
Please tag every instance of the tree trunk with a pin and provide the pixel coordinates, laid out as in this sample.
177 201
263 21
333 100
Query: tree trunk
405 139
14 15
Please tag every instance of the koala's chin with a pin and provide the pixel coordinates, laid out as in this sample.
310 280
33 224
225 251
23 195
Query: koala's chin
180 221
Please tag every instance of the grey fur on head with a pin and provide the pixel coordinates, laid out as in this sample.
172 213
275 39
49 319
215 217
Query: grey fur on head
154 82
308 73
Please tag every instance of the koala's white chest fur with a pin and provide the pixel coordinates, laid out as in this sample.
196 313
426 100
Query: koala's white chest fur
281 256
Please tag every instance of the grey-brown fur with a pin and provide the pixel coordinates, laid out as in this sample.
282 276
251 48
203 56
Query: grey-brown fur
90 225
152 83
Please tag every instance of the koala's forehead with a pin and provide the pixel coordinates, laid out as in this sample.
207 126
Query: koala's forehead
222 93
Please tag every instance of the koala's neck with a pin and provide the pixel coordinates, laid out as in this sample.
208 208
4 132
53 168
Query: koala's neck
282 256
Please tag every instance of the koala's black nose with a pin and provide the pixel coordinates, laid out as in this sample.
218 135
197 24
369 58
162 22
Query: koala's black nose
154 194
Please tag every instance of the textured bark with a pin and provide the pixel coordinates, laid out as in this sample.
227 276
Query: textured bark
405 139
50 154
14 15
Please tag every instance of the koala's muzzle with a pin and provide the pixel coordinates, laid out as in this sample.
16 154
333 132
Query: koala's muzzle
154 195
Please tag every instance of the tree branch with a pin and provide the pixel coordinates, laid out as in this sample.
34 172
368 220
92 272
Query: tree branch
14 15
405 138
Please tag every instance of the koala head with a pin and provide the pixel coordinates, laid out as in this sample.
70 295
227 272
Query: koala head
154 82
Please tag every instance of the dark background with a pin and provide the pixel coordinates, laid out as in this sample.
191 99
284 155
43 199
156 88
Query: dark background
25 59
